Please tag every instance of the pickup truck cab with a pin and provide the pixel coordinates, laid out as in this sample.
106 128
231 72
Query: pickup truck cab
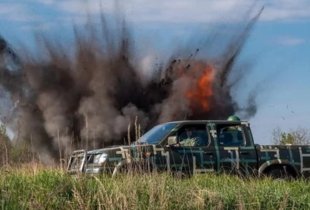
197 146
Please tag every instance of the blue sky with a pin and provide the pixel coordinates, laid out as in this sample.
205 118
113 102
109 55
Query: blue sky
279 43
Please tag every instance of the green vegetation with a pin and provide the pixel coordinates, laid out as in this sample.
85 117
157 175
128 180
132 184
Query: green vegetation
15 153
298 136
42 188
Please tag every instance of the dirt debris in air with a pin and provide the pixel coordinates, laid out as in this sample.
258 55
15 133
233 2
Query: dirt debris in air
60 100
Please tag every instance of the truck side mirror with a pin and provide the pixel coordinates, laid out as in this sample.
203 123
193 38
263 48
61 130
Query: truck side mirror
172 140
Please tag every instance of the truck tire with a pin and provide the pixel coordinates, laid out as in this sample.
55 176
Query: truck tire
279 174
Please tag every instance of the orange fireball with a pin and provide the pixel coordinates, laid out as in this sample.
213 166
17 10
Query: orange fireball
200 92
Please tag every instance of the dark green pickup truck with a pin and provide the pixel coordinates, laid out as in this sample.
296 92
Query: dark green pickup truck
191 147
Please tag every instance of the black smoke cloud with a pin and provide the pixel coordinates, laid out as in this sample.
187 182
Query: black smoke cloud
64 100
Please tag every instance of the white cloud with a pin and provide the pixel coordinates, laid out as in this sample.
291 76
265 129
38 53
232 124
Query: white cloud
160 10
17 12
290 41
47 2
169 11
192 10
80 7
286 10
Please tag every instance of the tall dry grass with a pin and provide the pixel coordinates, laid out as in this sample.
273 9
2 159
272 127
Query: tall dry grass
34 186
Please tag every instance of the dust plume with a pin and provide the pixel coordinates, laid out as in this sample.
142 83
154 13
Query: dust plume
61 100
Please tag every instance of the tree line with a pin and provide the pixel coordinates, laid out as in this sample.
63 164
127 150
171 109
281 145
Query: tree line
298 136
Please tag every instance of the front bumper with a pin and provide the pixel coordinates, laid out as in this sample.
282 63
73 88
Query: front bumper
99 170
102 169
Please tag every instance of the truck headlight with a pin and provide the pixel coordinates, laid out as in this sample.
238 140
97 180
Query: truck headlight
100 158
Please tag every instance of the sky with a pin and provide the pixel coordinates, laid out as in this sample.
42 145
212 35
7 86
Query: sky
279 45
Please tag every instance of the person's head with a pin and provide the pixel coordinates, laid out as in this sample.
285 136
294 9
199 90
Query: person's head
189 131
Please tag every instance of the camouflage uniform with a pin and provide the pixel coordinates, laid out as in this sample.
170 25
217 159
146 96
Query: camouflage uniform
190 142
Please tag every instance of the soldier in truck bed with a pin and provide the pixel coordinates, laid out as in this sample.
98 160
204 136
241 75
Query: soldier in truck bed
231 135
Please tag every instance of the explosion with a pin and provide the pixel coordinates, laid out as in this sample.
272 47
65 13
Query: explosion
63 101
200 92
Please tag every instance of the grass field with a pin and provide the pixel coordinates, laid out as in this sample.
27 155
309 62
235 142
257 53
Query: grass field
36 187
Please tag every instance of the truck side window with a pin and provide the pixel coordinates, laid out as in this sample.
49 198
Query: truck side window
193 136
230 135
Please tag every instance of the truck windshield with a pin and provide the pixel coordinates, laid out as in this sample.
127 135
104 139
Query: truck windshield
156 134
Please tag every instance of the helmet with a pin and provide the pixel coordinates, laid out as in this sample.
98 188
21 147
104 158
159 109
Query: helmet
233 118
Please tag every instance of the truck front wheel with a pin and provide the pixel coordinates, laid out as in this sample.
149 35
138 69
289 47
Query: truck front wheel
279 173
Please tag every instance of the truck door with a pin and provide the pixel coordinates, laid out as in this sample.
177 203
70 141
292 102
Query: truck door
193 152
236 150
